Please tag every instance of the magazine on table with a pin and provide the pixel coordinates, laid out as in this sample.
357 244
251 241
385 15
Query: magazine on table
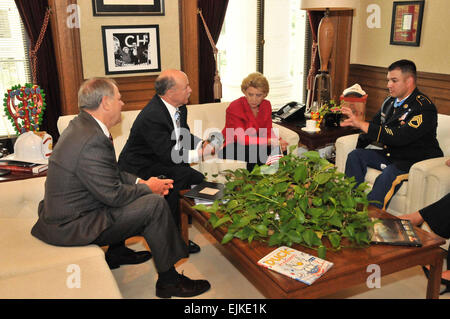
395 232
296 264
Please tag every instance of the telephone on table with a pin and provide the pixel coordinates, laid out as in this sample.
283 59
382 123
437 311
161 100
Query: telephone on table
290 112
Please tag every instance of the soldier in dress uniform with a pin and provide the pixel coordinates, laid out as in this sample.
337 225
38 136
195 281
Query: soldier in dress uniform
404 128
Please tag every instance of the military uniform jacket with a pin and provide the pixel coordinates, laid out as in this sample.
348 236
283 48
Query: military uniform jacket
408 133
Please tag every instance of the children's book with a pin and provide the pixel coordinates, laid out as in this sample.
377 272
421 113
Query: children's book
296 264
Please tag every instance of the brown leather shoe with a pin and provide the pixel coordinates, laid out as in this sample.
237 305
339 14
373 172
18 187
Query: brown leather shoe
185 287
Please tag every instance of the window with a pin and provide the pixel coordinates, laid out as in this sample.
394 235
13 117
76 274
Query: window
283 58
14 62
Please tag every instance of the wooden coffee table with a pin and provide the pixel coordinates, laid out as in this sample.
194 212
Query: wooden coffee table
350 264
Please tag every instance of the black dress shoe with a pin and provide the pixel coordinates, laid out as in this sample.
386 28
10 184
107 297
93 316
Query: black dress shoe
125 256
193 247
184 287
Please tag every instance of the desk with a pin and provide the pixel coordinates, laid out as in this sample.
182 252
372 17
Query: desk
350 264
314 141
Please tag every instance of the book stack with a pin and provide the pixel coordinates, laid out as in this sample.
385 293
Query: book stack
26 167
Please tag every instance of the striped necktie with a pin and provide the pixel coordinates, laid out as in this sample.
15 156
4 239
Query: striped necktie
177 129
178 119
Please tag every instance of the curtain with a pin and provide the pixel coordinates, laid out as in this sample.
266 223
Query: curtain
32 13
214 13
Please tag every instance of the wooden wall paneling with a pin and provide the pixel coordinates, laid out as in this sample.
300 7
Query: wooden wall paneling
136 91
68 54
437 87
373 80
189 45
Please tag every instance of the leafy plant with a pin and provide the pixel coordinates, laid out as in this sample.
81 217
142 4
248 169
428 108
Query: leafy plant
304 201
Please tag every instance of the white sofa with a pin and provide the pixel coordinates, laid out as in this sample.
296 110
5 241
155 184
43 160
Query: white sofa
30 268
428 180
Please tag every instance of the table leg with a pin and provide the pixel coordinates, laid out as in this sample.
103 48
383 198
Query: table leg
434 282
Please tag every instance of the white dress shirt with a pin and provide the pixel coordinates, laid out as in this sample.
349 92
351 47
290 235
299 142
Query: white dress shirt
102 126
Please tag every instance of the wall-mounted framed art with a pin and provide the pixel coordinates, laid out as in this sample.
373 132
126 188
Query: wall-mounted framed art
127 7
131 49
407 22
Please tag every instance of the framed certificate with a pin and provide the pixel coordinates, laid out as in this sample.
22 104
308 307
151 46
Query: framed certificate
407 22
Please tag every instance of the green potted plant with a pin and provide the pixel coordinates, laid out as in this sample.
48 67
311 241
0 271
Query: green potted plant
302 201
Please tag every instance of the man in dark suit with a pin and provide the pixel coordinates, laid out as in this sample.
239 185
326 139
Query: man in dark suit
89 200
160 141
404 128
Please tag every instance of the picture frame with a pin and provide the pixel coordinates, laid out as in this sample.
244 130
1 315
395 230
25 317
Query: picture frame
128 7
131 49
406 24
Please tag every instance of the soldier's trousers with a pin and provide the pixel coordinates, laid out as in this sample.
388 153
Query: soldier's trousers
386 184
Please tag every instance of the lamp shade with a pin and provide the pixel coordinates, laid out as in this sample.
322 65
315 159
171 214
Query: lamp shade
321 5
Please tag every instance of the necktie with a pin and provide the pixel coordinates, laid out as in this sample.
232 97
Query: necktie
177 118
177 129
111 138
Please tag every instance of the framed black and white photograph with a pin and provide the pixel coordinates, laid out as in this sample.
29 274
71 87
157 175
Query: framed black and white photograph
131 49
128 7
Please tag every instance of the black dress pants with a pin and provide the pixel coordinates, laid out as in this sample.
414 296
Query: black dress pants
183 177
148 216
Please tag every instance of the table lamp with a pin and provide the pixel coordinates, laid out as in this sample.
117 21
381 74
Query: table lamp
322 81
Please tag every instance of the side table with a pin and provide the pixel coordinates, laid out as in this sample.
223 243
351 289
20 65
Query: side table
316 140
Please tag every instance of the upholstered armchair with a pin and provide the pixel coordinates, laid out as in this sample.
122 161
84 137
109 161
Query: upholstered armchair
428 181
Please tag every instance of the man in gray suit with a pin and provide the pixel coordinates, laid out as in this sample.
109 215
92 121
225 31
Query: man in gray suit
89 200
